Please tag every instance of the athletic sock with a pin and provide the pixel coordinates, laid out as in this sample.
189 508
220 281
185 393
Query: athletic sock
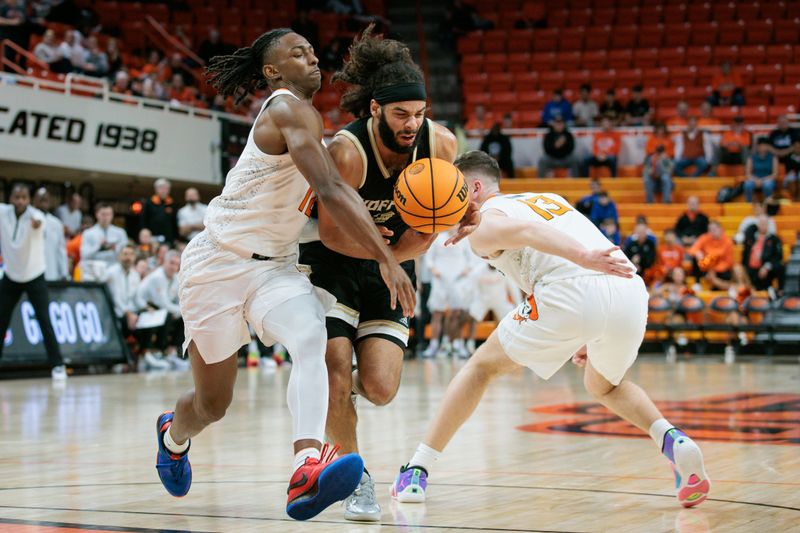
301 456
664 434
425 456
171 445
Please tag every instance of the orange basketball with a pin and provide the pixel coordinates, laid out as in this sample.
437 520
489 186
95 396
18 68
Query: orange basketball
431 195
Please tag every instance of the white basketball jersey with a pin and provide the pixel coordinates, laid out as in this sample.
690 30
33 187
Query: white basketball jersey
259 210
526 266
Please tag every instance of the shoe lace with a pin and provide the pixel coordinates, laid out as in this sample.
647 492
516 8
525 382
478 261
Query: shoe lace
327 453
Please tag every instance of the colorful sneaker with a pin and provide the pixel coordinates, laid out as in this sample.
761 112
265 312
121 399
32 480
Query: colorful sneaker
321 482
362 505
410 484
173 469
691 481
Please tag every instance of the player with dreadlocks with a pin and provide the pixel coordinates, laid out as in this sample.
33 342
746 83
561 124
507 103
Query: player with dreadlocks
242 269
387 95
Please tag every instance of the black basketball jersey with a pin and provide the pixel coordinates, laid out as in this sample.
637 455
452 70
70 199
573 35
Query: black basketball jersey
377 182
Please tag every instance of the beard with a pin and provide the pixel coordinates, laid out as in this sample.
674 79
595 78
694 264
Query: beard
389 137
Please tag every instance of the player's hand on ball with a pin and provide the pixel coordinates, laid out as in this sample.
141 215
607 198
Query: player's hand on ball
579 358
467 225
400 287
603 261
385 232
412 244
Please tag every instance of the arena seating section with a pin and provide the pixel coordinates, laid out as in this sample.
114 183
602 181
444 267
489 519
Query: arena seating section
672 48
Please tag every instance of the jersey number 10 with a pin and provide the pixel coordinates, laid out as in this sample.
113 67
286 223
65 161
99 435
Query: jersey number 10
546 207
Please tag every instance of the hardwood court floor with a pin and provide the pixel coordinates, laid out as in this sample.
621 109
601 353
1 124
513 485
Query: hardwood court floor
535 457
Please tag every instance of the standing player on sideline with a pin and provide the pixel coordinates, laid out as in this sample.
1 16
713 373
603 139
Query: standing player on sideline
542 243
242 269
389 100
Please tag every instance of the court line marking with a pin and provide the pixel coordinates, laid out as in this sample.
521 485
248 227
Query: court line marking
471 485
268 519
90 527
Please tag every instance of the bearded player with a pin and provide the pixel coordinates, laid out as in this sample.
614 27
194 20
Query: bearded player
387 95
242 269
541 243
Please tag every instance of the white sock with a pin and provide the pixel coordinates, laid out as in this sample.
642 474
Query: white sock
425 456
445 341
171 445
301 456
458 344
658 429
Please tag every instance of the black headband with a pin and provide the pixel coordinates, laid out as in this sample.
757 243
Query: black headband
401 92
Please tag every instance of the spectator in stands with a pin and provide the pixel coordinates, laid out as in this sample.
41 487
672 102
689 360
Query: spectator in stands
55 251
71 215
693 147
190 216
101 244
74 247
508 122
584 205
22 229
657 175
763 256
660 137
142 267
557 107
152 88
114 58
72 49
306 27
681 118
669 254
735 144
605 149
559 150
179 92
782 138
146 248
13 26
673 288
692 223
478 121
213 46
749 222
123 283
498 145
333 119
713 256
49 52
792 178
761 171
159 214
585 109
611 231
637 110
153 63
96 61
642 219
603 209
464 18
159 290
332 55
707 116
177 66
727 85
122 83
641 251
611 108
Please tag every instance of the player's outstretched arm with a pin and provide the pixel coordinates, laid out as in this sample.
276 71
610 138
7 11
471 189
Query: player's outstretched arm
300 127
498 232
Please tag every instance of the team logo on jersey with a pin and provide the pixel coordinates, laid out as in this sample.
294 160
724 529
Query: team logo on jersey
404 321
527 311
755 418
416 168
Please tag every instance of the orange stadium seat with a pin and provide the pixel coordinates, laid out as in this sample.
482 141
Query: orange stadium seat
568 60
772 74
500 82
645 58
582 17
704 33
624 37
594 59
598 38
651 14
759 31
651 36
494 41
728 54
787 31
520 40
602 17
747 10
780 53
682 76
627 15
675 12
753 54
699 13
785 95
519 62
698 56
677 34
791 74
671 57
468 45
722 12
731 32
655 77
629 77
546 40
571 39
620 59
551 80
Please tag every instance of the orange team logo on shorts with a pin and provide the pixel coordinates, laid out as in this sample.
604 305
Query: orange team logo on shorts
527 311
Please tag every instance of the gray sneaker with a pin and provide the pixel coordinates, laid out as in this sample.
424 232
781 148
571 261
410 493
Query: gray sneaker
362 505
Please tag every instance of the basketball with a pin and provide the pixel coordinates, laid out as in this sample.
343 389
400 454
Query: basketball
431 195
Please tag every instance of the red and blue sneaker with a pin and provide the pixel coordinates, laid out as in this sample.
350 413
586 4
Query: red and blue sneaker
691 481
173 468
320 482
410 484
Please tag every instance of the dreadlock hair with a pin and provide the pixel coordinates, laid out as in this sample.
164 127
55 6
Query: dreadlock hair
374 63
239 74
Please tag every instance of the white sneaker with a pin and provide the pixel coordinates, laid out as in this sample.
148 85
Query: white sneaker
730 355
471 346
362 505
460 350
431 350
152 362
176 363
743 340
59 373
444 350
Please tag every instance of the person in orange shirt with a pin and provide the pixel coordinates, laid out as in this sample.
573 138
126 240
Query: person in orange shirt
669 255
658 165
660 137
605 149
727 85
735 144
478 121
74 248
713 256
180 92
681 119
707 116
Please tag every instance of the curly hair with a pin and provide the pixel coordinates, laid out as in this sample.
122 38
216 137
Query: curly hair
374 63
239 74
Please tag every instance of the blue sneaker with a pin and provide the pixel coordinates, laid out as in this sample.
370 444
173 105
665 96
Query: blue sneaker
173 469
